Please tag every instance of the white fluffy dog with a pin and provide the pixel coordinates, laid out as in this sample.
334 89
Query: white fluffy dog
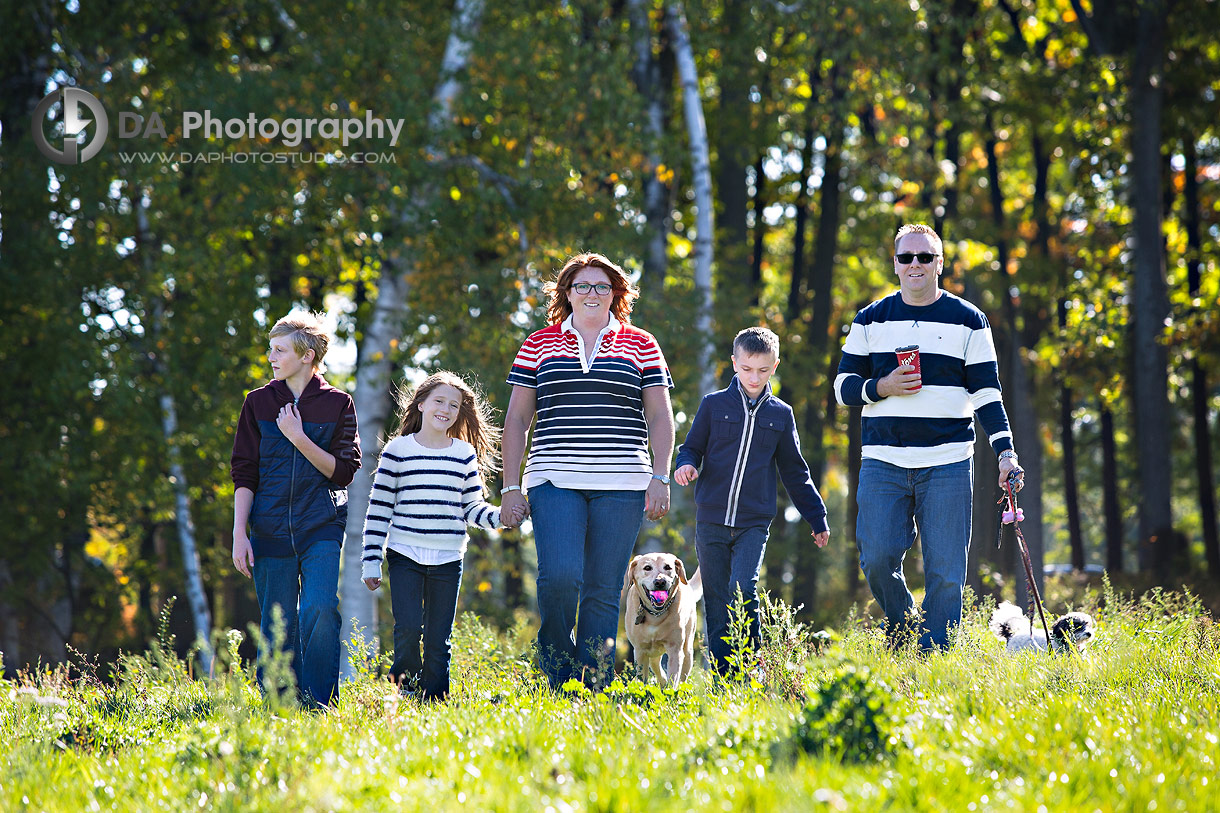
1010 624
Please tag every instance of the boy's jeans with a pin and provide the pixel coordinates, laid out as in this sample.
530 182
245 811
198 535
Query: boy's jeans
893 501
306 587
584 540
729 559
424 601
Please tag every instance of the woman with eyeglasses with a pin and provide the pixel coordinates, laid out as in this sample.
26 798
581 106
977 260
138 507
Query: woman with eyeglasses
599 389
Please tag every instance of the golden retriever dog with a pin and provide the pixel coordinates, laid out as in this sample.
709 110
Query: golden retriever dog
659 614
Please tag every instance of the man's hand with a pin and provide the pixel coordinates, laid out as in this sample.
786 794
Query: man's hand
243 554
372 583
685 475
289 422
656 500
1008 465
903 381
820 539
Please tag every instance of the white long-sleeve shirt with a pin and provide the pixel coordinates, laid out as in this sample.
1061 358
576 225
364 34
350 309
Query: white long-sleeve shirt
424 498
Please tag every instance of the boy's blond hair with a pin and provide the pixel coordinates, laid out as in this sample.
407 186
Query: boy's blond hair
305 332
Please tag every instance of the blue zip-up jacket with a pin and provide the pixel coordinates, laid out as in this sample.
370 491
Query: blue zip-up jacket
738 451
295 505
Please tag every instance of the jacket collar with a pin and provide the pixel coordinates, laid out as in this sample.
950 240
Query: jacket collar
745 399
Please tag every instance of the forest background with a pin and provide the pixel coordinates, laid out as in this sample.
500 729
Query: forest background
748 162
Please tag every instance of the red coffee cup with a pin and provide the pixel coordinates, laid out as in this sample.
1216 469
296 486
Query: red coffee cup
909 355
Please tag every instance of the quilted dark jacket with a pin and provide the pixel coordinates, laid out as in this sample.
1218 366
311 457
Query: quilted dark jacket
295 505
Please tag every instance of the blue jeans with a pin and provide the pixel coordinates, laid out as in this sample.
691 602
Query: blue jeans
729 560
584 540
424 602
893 502
306 588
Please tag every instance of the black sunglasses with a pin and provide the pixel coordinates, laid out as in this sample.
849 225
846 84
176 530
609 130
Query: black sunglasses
924 257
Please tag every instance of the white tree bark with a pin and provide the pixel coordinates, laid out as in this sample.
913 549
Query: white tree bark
358 605
200 612
701 165
656 199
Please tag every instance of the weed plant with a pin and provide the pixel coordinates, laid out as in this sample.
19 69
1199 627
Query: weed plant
840 724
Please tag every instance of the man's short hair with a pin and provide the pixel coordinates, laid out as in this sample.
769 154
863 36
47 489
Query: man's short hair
305 332
919 228
754 341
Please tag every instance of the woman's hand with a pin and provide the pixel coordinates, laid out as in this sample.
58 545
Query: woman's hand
656 500
514 508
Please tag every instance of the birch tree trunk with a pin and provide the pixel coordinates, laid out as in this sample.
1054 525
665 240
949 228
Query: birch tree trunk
648 80
200 613
696 129
358 605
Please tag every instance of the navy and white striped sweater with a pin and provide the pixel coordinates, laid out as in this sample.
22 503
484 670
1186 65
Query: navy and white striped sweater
957 359
424 498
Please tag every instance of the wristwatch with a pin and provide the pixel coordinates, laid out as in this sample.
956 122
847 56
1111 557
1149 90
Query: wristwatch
1006 454
664 478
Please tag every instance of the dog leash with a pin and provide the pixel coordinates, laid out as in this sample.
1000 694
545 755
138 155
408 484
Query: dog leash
1011 513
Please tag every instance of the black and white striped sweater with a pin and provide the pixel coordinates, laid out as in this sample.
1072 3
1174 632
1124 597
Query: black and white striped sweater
425 498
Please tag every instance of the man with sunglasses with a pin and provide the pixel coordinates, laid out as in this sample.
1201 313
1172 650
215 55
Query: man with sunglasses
917 435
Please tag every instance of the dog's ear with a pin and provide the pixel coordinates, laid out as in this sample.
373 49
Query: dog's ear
629 576
681 568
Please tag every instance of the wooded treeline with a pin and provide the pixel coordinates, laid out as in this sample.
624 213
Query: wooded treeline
1068 153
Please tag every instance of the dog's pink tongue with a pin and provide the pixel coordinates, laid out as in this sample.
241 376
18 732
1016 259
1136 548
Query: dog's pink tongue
660 596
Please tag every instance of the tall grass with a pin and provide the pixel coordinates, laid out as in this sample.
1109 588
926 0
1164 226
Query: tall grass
841 724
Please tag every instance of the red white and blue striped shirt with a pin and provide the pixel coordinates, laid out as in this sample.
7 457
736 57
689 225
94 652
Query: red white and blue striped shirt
590 432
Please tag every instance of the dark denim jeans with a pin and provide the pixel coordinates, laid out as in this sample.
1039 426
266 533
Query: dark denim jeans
306 588
584 540
424 602
893 502
729 560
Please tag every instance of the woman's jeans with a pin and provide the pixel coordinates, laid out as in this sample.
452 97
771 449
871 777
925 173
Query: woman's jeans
729 560
424 601
305 588
894 501
584 540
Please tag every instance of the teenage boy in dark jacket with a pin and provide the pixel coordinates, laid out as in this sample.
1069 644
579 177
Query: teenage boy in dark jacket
295 452
740 436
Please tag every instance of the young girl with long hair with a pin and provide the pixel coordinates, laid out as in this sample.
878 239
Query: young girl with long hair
428 487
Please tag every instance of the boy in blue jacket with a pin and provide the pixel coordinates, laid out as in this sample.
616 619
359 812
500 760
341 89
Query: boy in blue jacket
295 451
740 436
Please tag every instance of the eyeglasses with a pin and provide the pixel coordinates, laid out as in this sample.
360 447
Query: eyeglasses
584 288
924 257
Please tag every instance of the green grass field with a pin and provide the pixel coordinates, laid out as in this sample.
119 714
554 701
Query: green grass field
841 725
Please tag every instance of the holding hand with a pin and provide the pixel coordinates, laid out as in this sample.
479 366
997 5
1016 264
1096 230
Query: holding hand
289 422
820 539
685 475
903 381
514 508
1007 466
372 583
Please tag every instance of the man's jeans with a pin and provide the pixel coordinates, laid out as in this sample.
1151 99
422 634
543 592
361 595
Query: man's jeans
584 540
893 502
729 560
306 588
424 601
